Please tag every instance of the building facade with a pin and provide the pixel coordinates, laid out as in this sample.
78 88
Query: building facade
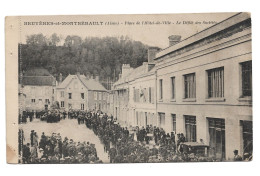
77 92
203 87
38 90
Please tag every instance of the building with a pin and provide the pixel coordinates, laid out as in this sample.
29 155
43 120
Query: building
81 93
135 103
38 87
203 87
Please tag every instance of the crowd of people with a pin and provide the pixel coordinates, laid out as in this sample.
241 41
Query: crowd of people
123 145
50 116
52 149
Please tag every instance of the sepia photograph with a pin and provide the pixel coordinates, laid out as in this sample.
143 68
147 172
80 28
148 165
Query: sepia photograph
157 88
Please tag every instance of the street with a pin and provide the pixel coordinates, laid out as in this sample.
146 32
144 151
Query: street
67 128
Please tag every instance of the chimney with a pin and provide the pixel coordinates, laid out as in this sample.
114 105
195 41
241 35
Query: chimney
174 39
152 53
97 78
125 69
60 78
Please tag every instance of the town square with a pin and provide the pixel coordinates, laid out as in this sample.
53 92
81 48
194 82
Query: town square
112 99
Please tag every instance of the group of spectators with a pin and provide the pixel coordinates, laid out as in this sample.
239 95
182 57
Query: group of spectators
50 116
25 117
52 149
122 147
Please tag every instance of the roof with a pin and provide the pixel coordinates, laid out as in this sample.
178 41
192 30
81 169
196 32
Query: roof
37 72
239 17
90 84
135 73
38 80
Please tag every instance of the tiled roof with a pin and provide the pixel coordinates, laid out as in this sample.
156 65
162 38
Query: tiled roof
90 84
38 80
37 72
66 81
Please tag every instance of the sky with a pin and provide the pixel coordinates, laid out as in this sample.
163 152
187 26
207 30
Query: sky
148 31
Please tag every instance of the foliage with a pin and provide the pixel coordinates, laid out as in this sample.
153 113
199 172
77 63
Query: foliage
91 56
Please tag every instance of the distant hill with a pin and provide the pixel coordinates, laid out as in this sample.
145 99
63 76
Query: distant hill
90 56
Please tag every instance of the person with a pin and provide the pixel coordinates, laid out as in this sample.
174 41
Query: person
31 137
26 153
236 156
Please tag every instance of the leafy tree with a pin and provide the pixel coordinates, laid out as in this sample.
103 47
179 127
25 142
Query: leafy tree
97 56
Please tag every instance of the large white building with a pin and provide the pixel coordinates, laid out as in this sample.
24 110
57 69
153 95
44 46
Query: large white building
81 93
203 87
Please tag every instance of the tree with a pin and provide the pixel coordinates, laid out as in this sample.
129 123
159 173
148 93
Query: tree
98 56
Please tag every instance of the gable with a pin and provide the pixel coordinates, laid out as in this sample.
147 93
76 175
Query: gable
75 84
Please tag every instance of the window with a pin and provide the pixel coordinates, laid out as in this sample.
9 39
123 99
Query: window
137 95
95 95
47 101
52 91
70 95
246 69
40 99
62 94
173 87
174 123
189 86
217 137
82 106
82 95
150 95
143 94
216 83
161 89
190 127
161 119
62 104
33 100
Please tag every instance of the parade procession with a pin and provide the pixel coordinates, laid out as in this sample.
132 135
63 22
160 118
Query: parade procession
117 100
